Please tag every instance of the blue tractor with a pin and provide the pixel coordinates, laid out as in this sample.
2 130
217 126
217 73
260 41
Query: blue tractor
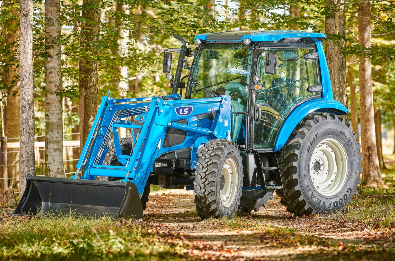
253 114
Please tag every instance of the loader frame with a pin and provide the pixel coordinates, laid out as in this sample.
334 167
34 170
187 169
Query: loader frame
157 115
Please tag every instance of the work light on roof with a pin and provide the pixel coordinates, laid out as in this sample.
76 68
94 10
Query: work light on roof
247 42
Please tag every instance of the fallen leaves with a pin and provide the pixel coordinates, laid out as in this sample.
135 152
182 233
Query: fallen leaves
172 224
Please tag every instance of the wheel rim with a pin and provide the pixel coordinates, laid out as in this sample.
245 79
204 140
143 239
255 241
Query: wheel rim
228 182
328 167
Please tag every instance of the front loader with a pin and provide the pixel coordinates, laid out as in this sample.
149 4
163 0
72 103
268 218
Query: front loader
253 114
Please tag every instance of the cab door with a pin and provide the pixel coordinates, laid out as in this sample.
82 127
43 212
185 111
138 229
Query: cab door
283 90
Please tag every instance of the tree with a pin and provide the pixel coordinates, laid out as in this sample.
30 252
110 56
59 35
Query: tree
88 74
26 90
53 99
210 8
377 125
10 83
371 170
122 42
294 11
353 98
393 124
335 29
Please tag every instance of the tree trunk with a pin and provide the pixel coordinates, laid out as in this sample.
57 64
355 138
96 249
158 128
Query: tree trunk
335 24
12 116
353 98
27 101
76 150
393 123
377 124
3 154
295 12
53 101
330 29
123 85
210 8
227 11
242 15
88 75
136 86
340 93
371 170
3 164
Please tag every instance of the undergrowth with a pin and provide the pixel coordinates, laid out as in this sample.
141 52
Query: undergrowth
68 237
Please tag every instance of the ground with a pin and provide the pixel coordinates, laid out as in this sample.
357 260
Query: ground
171 230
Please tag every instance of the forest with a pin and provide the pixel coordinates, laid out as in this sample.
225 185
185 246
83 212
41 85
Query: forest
58 58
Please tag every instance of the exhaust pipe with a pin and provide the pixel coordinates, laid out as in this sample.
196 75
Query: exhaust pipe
86 197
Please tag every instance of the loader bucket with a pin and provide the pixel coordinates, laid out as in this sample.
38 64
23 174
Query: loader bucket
86 197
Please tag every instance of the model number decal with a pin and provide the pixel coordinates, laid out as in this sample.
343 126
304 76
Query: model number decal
213 109
184 111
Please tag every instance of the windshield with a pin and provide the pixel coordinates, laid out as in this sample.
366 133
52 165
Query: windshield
222 69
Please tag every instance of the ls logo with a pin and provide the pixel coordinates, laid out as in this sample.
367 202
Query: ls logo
184 111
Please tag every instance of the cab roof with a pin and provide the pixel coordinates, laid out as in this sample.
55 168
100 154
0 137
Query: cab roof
261 36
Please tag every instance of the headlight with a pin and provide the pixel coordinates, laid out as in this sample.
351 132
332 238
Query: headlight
198 41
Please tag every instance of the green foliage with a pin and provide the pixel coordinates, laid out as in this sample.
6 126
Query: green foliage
70 237
149 25
9 47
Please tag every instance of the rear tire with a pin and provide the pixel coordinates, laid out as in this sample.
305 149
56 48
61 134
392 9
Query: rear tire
218 179
320 166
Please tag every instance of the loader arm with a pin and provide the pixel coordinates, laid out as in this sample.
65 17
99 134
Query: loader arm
158 114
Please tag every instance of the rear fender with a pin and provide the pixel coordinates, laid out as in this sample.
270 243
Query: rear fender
301 111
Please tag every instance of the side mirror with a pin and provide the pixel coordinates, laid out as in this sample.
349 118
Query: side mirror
310 56
271 63
167 62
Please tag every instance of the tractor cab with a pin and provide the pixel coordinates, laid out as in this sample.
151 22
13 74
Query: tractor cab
266 74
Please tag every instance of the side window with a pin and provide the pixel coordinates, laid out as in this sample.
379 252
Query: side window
282 91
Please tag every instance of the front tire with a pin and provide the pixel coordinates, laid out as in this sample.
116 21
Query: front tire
218 179
320 166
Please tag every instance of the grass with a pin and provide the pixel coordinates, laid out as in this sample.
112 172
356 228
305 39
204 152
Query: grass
375 207
68 237
79 238
156 188
372 210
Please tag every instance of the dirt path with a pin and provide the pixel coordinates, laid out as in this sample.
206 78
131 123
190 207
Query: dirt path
270 234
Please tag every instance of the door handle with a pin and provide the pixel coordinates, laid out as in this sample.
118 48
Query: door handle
257 112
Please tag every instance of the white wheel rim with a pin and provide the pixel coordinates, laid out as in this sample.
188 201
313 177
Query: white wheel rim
328 167
228 182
